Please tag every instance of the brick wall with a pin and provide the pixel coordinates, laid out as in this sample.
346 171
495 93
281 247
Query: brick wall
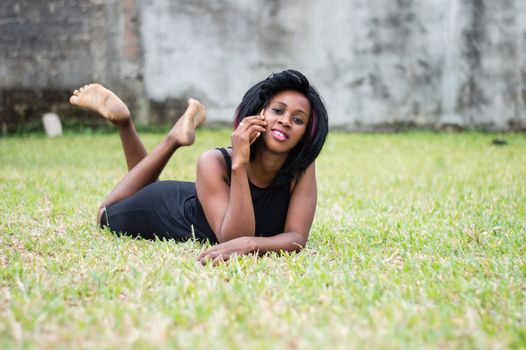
48 48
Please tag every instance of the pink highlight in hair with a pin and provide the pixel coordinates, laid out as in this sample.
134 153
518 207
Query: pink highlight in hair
236 120
313 125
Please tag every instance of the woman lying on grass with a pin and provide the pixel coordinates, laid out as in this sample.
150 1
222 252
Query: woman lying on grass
257 196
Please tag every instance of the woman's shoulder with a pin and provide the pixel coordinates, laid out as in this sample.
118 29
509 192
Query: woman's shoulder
214 161
307 176
215 155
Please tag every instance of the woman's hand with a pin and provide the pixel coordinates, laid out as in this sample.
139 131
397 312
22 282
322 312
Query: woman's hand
245 134
222 252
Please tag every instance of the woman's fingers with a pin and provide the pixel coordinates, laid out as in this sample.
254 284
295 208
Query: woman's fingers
204 259
220 258
202 255
214 257
253 120
248 130
253 127
254 138
206 253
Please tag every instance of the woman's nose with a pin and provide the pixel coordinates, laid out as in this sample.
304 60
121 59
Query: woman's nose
284 120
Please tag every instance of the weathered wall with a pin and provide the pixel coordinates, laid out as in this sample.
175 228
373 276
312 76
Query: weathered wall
48 48
378 64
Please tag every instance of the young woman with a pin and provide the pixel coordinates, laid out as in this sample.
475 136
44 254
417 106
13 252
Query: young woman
257 196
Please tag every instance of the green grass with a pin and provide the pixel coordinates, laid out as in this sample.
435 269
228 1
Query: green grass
419 242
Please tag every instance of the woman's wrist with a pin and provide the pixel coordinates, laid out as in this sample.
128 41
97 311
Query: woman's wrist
239 166
251 244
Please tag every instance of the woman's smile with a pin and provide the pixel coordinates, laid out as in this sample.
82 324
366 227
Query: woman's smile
279 134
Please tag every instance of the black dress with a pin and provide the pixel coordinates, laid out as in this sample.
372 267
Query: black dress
171 210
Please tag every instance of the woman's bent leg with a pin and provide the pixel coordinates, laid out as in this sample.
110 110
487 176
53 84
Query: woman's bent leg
143 168
97 98
134 150
151 166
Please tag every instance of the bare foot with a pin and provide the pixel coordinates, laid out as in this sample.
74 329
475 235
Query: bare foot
183 132
97 98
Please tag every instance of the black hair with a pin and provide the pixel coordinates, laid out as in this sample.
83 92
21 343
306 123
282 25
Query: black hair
306 151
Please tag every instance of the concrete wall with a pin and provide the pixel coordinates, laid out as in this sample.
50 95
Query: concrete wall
378 64
48 48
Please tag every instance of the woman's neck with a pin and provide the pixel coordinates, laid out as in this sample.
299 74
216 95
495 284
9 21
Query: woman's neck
264 168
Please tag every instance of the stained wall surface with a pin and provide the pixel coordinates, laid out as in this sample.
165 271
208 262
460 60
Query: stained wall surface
378 64
48 48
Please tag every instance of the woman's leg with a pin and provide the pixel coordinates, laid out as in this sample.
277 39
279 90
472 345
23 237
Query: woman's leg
143 169
151 166
134 150
97 98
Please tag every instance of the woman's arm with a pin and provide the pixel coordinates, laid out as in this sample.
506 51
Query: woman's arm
297 226
228 207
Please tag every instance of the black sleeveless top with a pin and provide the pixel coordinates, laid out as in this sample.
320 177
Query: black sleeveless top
270 208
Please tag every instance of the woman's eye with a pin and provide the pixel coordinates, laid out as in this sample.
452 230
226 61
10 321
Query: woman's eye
298 121
277 111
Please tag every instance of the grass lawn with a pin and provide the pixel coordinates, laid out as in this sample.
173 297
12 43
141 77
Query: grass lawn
419 242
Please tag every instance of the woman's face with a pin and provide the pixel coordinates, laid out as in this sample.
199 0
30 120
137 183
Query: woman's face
287 117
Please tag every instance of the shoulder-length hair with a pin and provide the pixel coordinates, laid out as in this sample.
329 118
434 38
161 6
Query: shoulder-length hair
306 151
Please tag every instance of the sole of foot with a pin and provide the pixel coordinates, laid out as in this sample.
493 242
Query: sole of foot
97 98
183 132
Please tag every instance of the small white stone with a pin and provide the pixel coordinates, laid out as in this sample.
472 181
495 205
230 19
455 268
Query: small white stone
52 124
